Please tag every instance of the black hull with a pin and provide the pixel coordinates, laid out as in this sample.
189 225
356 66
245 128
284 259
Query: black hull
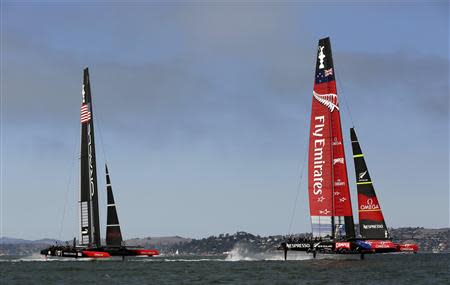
62 251
97 252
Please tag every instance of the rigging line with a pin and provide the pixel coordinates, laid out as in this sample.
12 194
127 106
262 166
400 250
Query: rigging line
2 115
305 126
298 192
99 128
341 88
69 182
99 124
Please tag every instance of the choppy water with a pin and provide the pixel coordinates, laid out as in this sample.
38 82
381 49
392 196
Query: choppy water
396 269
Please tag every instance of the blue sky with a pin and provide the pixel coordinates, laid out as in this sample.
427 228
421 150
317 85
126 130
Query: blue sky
201 110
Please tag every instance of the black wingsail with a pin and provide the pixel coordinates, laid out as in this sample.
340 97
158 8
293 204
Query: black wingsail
371 220
113 233
89 217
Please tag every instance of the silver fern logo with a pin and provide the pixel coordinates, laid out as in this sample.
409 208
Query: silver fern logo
362 174
329 100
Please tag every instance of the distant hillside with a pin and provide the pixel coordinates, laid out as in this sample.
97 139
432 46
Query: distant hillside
8 240
158 242
429 240
14 246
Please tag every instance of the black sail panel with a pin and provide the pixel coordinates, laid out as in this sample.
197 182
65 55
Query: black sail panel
371 220
113 233
89 214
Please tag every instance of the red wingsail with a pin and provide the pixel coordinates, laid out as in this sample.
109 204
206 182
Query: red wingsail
329 197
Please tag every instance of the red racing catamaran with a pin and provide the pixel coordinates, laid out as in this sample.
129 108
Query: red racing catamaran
333 228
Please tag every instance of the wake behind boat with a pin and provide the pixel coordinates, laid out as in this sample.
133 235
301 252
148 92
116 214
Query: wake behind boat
333 229
89 244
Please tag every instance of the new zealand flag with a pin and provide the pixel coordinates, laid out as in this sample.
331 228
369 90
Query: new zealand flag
324 75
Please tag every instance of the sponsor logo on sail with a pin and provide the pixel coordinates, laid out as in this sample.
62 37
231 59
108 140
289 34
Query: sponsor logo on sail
338 160
370 205
318 162
336 142
320 199
91 167
371 227
339 183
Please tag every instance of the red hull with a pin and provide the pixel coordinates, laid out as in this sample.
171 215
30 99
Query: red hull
408 247
95 254
146 252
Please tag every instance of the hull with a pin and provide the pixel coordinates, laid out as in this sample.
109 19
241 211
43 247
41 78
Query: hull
353 246
70 252
99 252
408 247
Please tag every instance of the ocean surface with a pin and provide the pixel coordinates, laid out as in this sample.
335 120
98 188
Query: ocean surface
396 269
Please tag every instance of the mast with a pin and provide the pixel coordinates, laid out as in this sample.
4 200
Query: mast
89 216
329 195
371 220
113 233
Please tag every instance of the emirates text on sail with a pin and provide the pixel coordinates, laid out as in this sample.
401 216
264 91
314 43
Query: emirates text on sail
318 154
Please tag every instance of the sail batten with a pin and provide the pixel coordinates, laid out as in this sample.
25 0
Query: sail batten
329 195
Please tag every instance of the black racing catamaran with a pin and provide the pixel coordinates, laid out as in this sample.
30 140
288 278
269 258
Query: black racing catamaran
333 229
89 243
